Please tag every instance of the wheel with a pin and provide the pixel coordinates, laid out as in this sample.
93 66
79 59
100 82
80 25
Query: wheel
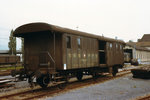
43 81
95 75
115 71
13 73
134 76
79 76
62 85
67 79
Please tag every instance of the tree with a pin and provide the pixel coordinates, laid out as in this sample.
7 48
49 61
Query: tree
22 48
130 41
12 43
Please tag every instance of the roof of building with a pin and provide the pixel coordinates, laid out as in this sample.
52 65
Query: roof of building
4 51
133 44
37 27
143 44
144 41
145 38
7 52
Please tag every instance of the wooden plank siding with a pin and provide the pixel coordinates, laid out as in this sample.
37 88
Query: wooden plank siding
84 57
94 51
35 45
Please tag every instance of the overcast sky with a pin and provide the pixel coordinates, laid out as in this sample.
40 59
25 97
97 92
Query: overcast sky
124 19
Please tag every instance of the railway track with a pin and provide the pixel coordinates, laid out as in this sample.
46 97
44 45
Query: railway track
5 83
147 97
38 92
4 72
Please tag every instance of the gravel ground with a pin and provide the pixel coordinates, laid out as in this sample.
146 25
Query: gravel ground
17 85
124 88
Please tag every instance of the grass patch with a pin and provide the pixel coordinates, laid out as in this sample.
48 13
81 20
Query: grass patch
10 68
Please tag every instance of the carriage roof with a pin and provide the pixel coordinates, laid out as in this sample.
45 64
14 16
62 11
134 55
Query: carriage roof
39 27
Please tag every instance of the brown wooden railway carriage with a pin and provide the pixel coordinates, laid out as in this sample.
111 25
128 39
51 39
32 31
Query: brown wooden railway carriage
51 50
9 59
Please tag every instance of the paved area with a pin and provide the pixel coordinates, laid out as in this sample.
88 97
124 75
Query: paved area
124 88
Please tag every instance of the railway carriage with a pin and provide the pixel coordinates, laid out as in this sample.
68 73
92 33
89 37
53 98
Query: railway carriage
9 59
53 52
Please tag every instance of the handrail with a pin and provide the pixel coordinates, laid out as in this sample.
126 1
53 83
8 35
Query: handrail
49 55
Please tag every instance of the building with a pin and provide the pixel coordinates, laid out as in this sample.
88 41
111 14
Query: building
142 54
144 41
6 52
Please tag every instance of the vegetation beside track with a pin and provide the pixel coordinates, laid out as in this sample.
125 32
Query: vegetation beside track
10 68
6 70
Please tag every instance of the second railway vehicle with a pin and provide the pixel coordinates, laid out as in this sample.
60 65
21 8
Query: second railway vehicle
9 59
52 52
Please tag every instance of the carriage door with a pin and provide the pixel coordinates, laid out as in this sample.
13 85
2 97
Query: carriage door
46 51
102 52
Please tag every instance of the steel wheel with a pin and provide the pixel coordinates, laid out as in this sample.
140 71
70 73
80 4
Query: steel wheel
43 81
79 76
115 71
95 75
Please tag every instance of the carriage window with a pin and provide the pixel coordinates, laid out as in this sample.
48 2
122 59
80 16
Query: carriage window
116 46
120 47
110 45
79 42
68 40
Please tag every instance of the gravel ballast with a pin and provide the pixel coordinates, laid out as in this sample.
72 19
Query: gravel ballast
124 88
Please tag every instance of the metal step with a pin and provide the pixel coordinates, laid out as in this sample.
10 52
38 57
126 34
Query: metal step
56 78
44 64
60 82
47 68
54 73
